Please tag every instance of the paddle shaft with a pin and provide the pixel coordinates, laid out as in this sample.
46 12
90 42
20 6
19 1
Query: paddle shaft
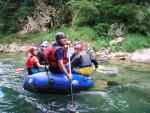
70 74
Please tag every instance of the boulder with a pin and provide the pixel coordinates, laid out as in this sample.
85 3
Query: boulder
141 56
117 40
14 47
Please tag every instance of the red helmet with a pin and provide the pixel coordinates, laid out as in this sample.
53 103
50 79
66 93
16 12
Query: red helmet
32 49
79 47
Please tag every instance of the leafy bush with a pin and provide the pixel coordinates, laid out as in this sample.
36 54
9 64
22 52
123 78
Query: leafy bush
85 14
13 12
101 15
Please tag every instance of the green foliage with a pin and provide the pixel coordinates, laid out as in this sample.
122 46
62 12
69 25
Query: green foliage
13 12
82 34
101 29
62 15
100 43
138 2
101 14
98 14
90 19
134 42
83 13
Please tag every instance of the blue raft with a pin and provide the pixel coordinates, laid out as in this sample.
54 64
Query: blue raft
42 83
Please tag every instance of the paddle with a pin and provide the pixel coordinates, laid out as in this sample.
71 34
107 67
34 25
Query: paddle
107 70
72 107
19 70
103 61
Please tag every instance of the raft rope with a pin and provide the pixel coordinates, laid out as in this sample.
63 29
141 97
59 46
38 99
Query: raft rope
84 79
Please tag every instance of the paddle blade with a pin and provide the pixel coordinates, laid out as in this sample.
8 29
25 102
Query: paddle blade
72 109
108 70
101 71
19 70
103 61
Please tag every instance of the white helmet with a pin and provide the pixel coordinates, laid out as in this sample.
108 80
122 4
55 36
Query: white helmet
45 43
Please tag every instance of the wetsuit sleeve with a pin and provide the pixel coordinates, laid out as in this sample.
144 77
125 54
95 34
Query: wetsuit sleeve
76 61
94 61
72 56
59 54
42 57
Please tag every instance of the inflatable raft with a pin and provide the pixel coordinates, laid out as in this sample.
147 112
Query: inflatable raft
49 83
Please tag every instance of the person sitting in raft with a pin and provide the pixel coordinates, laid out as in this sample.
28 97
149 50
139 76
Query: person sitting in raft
32 62
82 61
57 57
40 54
74 53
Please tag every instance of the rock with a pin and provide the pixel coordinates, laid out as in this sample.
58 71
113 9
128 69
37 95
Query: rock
113 56
117 40
91 51
39 21
116 30
122 58
14 47
101 84
141 56
119 55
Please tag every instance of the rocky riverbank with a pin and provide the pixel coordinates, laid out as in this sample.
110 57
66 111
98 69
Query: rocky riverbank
14 47
140 56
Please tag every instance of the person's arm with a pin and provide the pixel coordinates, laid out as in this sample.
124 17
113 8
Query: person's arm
43 58
35 60
39 65
72 56
59 57
62 67
76 61
94 61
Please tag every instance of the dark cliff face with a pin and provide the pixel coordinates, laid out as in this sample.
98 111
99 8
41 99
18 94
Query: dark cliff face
47 15
33 15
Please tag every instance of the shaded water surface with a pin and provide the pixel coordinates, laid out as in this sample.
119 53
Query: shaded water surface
127 92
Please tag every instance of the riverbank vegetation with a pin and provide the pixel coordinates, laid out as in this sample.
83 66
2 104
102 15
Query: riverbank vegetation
96 21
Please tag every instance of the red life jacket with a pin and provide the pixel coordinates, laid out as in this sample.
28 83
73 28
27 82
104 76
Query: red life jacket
50 55
29 63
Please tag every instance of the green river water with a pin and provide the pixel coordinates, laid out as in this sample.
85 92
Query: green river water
127 92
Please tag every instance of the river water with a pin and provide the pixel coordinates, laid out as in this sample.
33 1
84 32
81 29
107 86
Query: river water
126 92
